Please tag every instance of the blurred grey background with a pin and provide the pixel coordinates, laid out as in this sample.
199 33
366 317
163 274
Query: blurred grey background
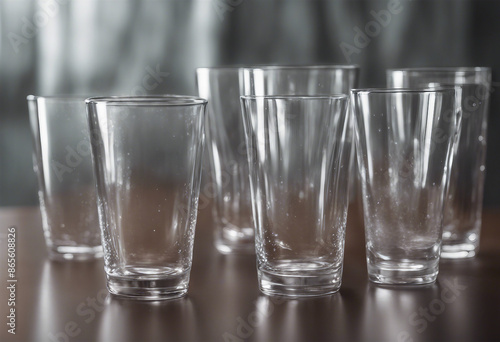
153 46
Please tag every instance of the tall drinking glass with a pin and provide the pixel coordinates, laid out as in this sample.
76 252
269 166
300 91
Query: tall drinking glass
298 158
405 140
147 156
234 229
66 183
462 219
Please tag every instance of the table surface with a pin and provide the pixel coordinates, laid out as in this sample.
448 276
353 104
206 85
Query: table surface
67 301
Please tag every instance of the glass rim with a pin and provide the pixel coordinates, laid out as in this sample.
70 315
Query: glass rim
59 98
148 100
295 97
440 89
220 68
450 70
438 85
305 67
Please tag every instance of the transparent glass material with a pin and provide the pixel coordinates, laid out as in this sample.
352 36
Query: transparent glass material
63 167
299 80
299 172
147 155
232 211
303 80
405 141
463 208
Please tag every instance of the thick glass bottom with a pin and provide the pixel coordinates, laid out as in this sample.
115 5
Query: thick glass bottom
76 253
460 242
151 288
460 247
403 272
458 251
235 241
309 282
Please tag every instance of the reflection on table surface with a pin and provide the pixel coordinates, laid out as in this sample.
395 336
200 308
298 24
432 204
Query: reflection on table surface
67 301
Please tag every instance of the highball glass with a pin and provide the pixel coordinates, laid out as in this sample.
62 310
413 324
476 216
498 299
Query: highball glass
147 156
405 141
299 173
63 167
232 211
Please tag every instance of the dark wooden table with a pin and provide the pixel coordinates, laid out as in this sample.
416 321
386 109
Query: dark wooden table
68 301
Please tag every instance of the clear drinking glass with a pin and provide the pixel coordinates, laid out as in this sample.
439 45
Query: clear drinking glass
303 80
463 207
234 229
63 167
299 172
147 156
404 143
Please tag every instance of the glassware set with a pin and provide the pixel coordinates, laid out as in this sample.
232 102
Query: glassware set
284 145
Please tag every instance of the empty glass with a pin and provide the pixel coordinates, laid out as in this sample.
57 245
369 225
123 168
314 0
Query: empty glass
463 208
234 229
299 172
66 183
405 141
147 156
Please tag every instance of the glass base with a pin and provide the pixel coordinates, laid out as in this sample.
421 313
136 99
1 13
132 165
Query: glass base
403 273
460 242
149 289
458 251
307 284
235 241
75 253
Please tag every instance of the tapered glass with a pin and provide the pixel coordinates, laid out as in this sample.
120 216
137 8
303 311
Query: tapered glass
232 212
299 173
147 156
405 143
63 167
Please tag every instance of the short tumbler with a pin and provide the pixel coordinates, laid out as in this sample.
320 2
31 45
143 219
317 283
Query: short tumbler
299 172
464 203
63 167
232 210
147 157
404 142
